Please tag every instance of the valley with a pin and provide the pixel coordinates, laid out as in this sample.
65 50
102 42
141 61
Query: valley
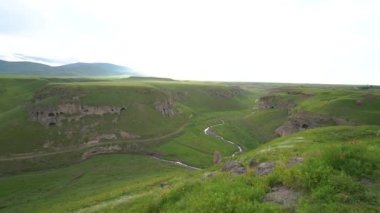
149 145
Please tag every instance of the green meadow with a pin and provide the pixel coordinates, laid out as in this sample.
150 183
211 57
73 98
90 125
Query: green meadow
142 148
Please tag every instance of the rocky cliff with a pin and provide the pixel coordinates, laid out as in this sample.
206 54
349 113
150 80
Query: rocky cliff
166 107
302 120
51 116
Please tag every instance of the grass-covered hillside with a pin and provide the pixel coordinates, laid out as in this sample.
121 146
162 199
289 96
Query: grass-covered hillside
330 169
52 122
160 145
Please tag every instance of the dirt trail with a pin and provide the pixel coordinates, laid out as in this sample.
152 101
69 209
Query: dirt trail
25 156
114 202
209 131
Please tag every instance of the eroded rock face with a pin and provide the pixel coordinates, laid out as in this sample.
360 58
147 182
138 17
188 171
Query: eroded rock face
52 116
274 102
234 167
217 158
286 129
126 135
166 107
230 93
306 120
101 150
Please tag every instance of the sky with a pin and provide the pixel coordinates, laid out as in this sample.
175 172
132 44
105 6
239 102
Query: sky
310 41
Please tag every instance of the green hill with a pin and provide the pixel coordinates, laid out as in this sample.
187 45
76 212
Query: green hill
333 169
149 145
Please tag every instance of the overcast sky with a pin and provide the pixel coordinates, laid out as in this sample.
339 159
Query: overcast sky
311 41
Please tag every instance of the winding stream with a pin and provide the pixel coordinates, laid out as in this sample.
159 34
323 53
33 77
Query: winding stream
209 131
177 163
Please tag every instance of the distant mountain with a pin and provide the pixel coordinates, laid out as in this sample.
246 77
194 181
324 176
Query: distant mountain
69 70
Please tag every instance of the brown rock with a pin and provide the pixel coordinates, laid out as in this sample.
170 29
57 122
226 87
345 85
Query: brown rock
265 168
282 195
165 107
217 159
306 120
234 167
126 135
52 116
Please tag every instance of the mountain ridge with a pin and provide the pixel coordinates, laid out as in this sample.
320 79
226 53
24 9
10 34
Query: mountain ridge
79 69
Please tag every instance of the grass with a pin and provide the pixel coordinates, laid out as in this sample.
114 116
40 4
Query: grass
194 147
80 185
194 101
339 173
250 129
330 178
343 103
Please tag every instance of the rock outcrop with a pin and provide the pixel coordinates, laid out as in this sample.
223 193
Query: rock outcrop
274 102
265 168
51 116
217 158
282 195
126 135
234 167
166 107
101 150
306 120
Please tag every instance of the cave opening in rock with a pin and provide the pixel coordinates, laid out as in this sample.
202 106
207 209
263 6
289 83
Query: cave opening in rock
305 126
52 124
51 114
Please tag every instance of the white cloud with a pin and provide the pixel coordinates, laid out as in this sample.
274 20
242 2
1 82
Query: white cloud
287 41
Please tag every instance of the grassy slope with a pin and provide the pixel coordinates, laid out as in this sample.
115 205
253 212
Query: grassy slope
250 129
342 103
337 160
13 95
201 104
84 184
338 101
198 103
